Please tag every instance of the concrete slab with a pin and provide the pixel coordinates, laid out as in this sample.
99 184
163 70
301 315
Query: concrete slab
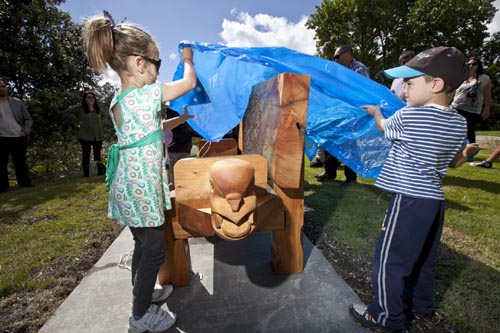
233 290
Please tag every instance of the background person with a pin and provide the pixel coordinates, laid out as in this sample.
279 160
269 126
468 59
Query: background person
178 142
398 84
136 174
470 95
90 132
15 125
344 56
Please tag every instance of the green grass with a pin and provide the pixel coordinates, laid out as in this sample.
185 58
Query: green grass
57 218
468 267
490 133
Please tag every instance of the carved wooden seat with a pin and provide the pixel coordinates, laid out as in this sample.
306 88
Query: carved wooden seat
272 141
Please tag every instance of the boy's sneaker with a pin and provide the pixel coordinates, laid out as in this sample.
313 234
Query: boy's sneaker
160 293
483 164
155 320
361 317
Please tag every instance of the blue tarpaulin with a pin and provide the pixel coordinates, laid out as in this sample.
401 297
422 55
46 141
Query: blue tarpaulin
335 120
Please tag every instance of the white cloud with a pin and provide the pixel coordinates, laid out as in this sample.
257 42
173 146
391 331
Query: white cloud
173 56
111 77
266 30
495 24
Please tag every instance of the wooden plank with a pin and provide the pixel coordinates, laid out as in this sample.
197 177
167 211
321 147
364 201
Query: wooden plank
286 248
176 268
274 126
192 179
224 147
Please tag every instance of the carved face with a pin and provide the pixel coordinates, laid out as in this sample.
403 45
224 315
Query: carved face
233 198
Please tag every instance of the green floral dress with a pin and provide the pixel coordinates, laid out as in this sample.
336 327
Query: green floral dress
139 193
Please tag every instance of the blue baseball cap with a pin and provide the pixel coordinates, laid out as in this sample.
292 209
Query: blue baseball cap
447 63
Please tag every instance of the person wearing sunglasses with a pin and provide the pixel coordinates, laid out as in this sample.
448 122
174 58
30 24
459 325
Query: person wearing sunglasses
90 131
136 175
472 95
343 56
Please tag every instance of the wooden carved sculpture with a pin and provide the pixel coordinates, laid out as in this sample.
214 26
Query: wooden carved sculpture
232 198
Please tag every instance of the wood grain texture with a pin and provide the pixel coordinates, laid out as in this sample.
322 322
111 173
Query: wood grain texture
192 178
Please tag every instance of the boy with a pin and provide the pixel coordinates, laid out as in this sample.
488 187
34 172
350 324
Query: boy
427 136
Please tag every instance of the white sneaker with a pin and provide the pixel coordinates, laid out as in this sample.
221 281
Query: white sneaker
160 293
155 320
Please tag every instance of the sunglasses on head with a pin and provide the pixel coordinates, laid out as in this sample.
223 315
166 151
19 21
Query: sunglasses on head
155 62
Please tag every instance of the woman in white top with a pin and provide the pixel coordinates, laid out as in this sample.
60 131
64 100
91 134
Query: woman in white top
470 95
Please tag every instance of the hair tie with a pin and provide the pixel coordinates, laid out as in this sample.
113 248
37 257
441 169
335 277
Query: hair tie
111 20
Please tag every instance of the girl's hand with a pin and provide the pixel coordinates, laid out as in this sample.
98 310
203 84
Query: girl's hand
187 53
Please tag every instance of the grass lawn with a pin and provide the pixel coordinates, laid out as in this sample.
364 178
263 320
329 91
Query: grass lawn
57 218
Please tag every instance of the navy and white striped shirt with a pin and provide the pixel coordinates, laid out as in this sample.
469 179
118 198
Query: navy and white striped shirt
425 139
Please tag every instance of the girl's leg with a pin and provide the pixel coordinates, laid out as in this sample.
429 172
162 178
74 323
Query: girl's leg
152 243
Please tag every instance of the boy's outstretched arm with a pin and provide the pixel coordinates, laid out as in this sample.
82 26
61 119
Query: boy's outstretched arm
470 150
168 124
376 112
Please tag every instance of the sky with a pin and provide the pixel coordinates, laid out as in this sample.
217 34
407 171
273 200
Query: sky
228 22
241 23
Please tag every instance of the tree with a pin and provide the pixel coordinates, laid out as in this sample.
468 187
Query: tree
42 57
381 30
459 23
372 27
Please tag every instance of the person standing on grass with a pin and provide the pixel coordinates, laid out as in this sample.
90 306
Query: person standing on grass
136 175
470 95
427 137
343 56
15 125
90 132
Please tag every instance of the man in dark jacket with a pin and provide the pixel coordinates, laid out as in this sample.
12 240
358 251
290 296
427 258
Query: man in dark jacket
15 125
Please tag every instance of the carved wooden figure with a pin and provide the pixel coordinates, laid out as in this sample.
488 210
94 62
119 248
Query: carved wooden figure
232 198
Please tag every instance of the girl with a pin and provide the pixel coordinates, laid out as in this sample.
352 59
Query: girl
138 191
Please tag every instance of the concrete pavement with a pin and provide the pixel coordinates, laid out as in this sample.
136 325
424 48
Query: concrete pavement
233 289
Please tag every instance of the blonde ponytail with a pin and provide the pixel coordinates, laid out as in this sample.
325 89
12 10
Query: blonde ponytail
98 42
106 43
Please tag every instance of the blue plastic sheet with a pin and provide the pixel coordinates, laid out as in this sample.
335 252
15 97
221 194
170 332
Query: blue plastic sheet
335 120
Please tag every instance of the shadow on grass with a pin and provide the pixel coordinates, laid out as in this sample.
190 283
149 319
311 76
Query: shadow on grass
483 184
16 200
467 291
345 216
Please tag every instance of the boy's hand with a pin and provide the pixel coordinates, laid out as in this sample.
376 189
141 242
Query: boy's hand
185 114
371 109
